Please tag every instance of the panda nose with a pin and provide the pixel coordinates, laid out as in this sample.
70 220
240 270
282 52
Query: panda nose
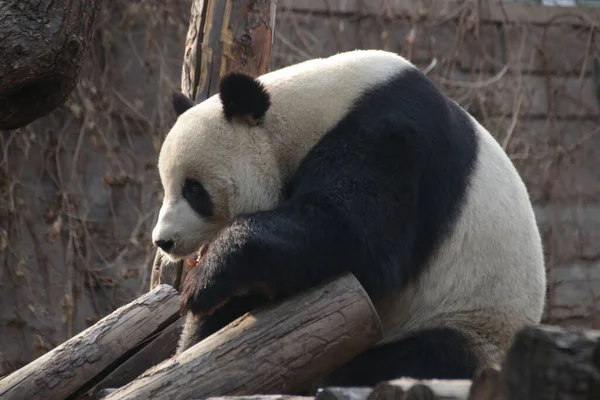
165 245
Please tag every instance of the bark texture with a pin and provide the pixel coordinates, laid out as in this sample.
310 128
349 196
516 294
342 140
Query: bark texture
282 348
157 349
42 43
226 36
67 368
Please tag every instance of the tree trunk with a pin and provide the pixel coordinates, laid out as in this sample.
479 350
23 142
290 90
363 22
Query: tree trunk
281 348
223 36
42 44
68 368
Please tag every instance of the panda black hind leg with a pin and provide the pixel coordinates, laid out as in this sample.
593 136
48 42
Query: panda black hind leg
438 353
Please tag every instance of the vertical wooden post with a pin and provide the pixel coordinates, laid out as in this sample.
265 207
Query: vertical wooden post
223 36
226 36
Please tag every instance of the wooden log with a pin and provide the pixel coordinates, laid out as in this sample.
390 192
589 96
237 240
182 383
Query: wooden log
67 368
41 53
223 36
547 362
281 348
159 348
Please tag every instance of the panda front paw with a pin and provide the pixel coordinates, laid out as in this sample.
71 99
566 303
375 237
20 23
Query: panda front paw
203 292
215 281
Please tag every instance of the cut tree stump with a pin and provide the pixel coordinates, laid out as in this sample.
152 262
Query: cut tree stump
281 348
66 369
41 53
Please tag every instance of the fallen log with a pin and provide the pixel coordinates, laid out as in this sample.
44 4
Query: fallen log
281 348
284 348
159 348
67 368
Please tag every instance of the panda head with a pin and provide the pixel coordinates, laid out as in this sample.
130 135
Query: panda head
215 163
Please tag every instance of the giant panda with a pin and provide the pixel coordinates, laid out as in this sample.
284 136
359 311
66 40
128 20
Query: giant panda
355 162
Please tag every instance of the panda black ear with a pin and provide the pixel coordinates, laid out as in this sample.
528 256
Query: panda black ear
181 103
244 96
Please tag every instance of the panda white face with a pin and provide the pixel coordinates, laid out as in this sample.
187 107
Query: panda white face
215 163
195 182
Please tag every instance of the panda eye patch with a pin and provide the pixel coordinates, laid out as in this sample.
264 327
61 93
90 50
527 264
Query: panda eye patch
197 197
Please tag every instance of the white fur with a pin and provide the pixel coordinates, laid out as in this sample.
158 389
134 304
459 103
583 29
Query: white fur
487 279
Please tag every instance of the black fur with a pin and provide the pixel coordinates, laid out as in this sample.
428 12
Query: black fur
197 197
374 196
430 354
205 326
181 103
241 94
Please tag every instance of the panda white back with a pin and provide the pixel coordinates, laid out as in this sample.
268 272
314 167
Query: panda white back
355 162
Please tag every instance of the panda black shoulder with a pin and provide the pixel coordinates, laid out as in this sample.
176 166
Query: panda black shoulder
243 95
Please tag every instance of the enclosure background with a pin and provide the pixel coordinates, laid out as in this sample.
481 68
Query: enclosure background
79 191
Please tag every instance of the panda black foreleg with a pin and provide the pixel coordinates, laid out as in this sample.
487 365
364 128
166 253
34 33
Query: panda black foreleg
439 353
273 253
